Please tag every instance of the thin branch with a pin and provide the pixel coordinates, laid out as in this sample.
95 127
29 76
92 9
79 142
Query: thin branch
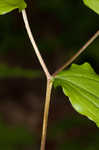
77 54
34 44
49 82
46 111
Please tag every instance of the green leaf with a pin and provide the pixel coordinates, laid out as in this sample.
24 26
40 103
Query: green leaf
93 4
81 84
8 5
8 72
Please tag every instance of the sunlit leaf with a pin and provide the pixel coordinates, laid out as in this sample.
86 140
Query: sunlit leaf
93 4
9 5
81 84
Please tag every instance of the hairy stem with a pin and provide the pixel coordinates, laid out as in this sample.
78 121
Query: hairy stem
77 54
34 45
46 111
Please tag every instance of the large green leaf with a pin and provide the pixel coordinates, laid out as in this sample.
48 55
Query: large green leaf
81 84
9 5
93 4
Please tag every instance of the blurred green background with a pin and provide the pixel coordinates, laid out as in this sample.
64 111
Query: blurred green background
60 28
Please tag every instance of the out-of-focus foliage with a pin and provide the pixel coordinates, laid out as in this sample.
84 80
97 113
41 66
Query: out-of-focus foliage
80 143
66 124
86 137
11 137
8 72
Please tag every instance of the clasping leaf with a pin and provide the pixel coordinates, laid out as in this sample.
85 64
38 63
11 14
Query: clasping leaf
9 5
81 84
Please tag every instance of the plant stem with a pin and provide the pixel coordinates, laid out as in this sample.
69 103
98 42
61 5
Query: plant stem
77 54
48 76
34 44
49 82
46 111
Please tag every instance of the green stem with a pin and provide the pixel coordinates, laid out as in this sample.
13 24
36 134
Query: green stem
46 111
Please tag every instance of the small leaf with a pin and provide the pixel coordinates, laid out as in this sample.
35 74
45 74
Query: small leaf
8 5
81 84
8 72
93 4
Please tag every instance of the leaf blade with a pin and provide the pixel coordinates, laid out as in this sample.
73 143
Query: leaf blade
92 4
7 6
81 84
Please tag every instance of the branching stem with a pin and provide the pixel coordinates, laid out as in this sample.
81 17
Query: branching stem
77 54
48 76
49 82
34 44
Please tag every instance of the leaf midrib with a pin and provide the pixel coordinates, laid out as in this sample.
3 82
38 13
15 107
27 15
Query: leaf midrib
79 76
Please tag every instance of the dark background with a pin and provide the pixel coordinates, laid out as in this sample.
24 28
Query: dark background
60 28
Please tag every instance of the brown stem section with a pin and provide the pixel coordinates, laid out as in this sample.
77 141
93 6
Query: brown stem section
46 111
77 54
49 82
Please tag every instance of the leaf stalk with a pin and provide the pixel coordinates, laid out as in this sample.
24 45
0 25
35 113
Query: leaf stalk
78 53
